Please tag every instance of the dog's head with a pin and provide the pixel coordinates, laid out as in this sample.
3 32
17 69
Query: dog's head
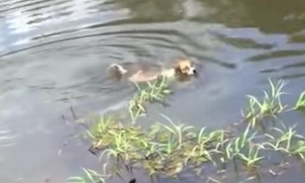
185 67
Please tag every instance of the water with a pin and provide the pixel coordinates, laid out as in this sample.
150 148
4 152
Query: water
54 54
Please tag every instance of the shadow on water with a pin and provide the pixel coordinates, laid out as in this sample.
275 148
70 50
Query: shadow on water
54 55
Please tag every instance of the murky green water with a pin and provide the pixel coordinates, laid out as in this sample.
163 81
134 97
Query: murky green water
53 55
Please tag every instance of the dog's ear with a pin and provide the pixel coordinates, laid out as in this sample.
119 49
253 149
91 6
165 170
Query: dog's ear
177 63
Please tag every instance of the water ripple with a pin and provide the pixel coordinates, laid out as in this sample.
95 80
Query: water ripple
243 43
276 54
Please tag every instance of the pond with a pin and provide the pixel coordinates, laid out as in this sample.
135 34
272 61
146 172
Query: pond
54 55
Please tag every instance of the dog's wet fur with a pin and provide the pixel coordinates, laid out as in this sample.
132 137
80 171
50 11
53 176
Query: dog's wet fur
182 70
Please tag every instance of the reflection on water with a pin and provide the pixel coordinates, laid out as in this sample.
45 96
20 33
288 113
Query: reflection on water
53 56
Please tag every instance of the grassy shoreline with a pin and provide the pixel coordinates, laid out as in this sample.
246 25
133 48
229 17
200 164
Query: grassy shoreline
168 148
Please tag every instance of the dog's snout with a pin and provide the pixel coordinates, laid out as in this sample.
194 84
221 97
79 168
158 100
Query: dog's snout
192 71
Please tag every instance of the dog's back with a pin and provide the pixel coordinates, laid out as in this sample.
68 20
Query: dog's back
136 72
141 72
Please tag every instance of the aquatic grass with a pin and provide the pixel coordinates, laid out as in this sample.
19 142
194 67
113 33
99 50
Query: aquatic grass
179 130
283 142
102 132
298 149
175 143
165 150
252 157
103 125
124 149
236 145
207 145
90 176
271 104
300 104
155 91
170 148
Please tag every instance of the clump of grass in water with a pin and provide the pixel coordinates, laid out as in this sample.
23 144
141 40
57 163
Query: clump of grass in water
155 91
271 105
287 141
162 149
168 149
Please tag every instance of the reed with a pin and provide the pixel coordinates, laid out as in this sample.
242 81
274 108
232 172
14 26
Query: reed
155 91
270 105
300 104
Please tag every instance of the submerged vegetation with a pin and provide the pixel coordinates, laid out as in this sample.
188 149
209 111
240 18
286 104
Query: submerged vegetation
169 149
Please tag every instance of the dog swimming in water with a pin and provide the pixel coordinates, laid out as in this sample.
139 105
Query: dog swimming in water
144 72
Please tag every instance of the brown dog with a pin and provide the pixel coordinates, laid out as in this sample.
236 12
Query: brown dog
143 72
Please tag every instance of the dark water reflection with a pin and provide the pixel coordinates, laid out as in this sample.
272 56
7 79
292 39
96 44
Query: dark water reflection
53 55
